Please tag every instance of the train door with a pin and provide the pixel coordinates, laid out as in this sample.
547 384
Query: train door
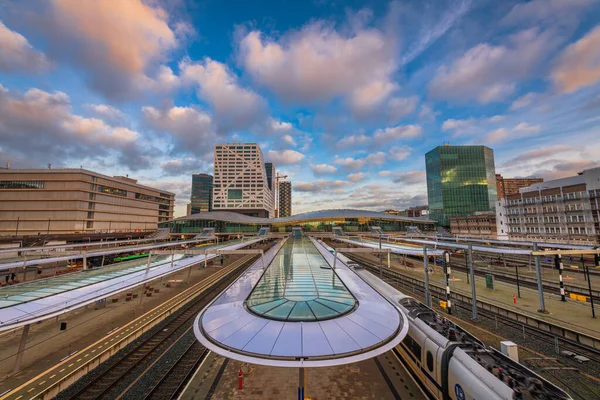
431 363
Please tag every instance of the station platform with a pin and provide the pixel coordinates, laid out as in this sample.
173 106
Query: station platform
575 315
299 312
34 301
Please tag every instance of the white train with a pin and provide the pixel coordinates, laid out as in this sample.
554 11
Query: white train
450 363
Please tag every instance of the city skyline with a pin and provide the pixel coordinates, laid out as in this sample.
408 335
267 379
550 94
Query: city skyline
344 98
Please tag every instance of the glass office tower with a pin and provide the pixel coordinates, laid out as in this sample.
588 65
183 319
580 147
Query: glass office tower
202 190
460 181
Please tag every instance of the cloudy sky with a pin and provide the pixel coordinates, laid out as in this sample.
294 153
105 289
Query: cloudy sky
344 96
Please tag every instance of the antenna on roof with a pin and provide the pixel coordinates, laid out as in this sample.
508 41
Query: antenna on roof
49 166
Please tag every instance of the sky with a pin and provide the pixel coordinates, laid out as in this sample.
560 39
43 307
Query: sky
345 97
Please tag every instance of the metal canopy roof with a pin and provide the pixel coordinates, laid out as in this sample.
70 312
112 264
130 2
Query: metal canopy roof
227 327
234 217
38 300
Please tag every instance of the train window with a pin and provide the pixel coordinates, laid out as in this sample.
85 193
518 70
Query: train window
413 346
429 361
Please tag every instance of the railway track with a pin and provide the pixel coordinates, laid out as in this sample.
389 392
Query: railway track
173 381
528 332
129 367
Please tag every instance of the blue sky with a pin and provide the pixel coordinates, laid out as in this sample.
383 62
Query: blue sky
344 96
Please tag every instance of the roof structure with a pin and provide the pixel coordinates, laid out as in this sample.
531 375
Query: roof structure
335 319
41 299
227 216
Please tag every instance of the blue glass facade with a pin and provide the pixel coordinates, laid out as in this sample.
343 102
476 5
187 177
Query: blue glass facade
460 181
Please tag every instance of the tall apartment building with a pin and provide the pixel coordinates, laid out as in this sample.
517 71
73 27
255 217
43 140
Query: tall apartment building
461 180
508 186
285 199
240 181
202 192
561 210
51 201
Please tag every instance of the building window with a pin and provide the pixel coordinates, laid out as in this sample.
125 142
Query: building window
113 191
234 194
142 196
21 184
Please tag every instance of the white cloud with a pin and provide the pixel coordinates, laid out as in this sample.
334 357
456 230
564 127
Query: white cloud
42 127
234 106
524 101
470 125
357 177
400 153
17 55
578 65
319 185
519 131
388 135
526 128
284 157
120 56
191 129
409 178
550 11
289 140
319 63
427 114
356 164
353 141
182 166
108 113
489 73
384 173
323 169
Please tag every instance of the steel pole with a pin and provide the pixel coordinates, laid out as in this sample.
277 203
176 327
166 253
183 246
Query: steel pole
473 293
447 270
559 263
538 272
301 384
467 265
518 286
587 272
426 277
17 229
21 350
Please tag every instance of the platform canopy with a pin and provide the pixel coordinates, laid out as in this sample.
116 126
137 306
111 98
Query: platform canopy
299 312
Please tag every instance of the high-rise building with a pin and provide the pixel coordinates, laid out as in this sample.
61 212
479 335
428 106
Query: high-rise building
57 201
240 181
508 186
202 192
560 210
285 199
461 180
271 174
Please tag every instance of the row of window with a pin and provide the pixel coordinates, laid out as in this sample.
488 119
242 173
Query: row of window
21 184
142 196
548 198
552 229
548 220
548 209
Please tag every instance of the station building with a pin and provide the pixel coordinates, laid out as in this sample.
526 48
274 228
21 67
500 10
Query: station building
315 221
66 201
561 210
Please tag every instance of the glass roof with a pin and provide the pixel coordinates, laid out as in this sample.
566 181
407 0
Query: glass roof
36 289
299 285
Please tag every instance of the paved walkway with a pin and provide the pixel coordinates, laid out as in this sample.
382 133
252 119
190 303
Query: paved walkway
573 314
361 380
